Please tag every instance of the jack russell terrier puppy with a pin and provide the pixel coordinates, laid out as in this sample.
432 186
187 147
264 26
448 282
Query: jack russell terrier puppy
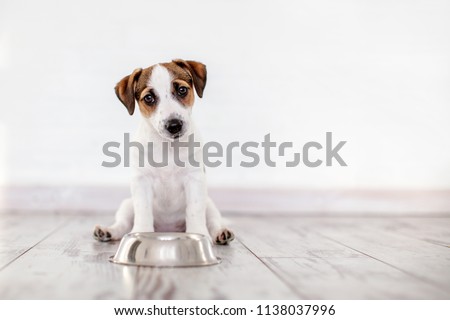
172 198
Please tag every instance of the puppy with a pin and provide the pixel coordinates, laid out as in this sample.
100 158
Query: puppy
170 198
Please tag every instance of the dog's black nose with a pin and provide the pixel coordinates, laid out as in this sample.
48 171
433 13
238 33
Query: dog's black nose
174 126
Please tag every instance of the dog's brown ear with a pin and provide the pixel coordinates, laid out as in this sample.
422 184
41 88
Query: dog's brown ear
125 90
198 72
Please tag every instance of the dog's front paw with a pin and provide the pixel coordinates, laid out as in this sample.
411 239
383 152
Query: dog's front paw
102 234
224 237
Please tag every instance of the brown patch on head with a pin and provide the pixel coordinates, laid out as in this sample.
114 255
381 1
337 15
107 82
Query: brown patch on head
132 87
142 90
181 78
142 84
197 70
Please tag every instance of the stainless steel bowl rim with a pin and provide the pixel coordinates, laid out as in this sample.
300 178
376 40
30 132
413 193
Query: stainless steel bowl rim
218 260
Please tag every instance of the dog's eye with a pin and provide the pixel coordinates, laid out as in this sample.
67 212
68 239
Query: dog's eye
149 99
182 91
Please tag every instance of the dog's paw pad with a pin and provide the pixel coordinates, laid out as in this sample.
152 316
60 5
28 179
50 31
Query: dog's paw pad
101 234
224 237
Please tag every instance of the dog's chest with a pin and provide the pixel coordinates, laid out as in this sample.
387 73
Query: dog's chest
168 194
169 204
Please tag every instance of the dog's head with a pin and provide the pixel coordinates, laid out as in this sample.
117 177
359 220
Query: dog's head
165 94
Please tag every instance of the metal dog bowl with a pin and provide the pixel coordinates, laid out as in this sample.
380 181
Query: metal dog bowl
161 249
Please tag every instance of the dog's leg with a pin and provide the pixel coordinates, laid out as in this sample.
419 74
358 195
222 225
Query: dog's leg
195 188
218 232
142 191
122 225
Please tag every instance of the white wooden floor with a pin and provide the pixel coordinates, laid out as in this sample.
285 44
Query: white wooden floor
46 255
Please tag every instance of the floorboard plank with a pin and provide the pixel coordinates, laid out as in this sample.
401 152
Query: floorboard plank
21 231
239 276
425 261
320 268
274 237
350 278
67 265
71 265
432 230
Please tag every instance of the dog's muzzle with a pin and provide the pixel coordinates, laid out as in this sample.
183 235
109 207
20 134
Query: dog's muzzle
174 127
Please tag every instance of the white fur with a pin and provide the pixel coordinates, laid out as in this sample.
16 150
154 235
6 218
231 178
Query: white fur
171 198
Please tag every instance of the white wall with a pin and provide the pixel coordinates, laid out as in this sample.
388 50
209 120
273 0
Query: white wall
375 73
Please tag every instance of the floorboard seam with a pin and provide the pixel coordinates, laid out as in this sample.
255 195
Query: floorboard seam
437 243
409 236
413 275
33 246
292 288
